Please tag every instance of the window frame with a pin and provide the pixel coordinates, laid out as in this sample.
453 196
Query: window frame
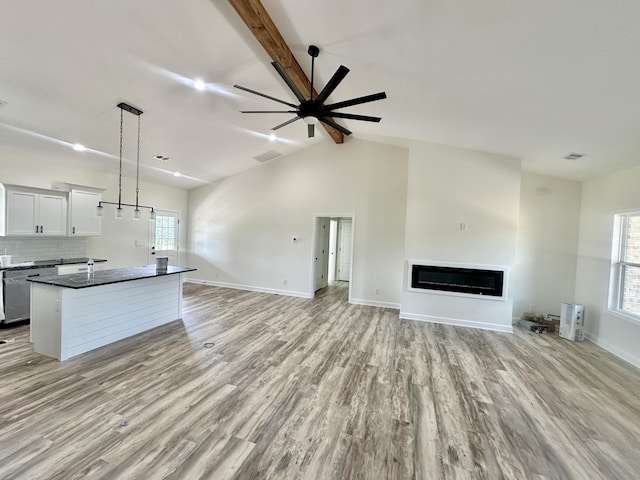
619 266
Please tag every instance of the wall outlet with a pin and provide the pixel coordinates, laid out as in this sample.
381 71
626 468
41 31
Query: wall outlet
377 291
284 282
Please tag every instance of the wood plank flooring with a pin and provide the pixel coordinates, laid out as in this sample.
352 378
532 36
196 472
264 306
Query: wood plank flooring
317 389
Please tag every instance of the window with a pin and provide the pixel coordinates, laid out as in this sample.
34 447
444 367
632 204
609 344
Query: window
165 233
625 278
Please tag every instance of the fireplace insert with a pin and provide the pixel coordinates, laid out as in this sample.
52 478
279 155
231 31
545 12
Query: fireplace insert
473 281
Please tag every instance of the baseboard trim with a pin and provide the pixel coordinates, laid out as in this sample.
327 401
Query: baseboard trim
622 355
371 303
250 288
457 322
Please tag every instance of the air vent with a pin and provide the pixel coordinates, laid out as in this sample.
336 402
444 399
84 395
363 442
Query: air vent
162 158
573 156
266 156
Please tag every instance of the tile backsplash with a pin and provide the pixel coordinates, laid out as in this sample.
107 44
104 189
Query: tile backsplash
26 249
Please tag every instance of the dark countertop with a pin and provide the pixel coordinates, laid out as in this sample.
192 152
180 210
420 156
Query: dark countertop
105 277
51 263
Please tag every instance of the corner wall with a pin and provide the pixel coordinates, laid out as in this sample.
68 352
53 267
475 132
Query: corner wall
448 186
601 199
546 254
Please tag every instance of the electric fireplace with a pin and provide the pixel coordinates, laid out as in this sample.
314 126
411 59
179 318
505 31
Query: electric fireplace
458 280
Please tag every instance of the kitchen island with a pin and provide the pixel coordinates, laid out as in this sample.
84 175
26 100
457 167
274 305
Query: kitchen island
73 314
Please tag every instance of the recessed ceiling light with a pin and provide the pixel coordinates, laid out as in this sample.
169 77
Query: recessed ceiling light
176 174
199 84
79 148
573 156
272 136
162 158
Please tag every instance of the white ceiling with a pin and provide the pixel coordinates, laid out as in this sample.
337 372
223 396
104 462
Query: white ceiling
531 79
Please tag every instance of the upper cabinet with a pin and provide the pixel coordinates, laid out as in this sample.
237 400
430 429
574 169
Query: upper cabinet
70 210
33 212
83 221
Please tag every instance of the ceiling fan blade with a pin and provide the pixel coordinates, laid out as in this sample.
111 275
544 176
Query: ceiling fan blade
333 83
353 116
268 111
333 124
311 130
288 81
285 123
356 101
265 96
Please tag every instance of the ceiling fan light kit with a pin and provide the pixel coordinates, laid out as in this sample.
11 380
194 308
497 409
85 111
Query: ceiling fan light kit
313 110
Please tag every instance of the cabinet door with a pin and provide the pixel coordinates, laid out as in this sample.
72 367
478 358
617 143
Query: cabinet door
22 212
52 215
84 221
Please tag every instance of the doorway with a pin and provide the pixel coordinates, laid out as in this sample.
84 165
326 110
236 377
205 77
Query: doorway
164 237
332 251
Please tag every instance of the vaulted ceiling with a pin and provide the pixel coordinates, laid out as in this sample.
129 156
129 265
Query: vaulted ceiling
535 80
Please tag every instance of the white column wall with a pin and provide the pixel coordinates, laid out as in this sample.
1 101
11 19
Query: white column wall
448 186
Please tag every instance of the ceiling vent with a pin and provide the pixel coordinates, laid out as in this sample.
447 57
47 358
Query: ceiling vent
266 156
573 156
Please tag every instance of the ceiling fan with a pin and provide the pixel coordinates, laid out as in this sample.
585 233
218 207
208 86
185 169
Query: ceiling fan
313 110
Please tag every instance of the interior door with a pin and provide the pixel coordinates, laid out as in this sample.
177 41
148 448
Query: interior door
321 254
344 249
164 235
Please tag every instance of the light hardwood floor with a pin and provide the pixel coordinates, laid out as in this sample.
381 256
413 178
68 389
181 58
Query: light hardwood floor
317 389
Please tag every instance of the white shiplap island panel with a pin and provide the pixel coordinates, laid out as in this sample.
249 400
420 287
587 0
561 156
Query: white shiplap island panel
66 322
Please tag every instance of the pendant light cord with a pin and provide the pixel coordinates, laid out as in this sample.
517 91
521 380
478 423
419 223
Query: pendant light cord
138 165
120 174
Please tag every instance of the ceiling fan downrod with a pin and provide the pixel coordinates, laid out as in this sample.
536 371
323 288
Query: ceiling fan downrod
314 52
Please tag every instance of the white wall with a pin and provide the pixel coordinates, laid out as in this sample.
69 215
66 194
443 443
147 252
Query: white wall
546 255
117 243
601 198
241 228
448 186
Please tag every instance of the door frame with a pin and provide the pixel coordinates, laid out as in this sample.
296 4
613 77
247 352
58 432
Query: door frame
313 249
152 234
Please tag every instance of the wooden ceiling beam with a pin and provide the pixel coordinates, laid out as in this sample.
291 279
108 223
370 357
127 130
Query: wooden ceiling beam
254 15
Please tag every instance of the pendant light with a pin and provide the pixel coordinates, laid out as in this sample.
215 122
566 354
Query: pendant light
119 203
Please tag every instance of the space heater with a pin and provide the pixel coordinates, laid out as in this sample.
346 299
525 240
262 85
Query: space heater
572 321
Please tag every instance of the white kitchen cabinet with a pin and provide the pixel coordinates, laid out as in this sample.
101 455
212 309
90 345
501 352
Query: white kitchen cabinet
83 221
34 212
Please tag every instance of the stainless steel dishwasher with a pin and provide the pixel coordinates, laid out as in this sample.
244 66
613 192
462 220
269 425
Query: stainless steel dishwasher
17 292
